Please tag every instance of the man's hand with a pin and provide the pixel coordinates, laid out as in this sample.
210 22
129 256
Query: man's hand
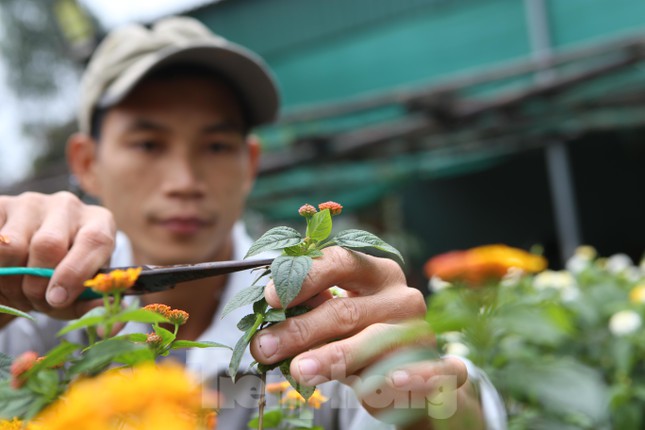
58 231
342 337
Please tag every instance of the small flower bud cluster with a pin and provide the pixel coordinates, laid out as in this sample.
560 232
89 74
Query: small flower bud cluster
308 210
174 316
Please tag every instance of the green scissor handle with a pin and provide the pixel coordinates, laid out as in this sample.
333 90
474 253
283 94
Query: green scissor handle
87 294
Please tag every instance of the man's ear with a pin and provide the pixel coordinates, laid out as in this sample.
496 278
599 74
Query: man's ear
82 151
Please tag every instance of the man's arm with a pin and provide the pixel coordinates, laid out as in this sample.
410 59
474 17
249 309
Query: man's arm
340 338
58 231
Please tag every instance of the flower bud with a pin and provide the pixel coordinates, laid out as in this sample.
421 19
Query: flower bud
334 208
307 210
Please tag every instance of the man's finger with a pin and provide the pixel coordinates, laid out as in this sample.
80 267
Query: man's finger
341 359
92 248
355 272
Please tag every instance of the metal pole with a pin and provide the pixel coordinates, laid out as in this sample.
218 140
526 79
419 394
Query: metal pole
556 154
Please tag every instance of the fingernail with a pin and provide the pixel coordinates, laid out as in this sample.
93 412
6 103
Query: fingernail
400 378
268 344
308 367
57 295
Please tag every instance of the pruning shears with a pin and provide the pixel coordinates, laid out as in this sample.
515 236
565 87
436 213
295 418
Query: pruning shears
153 279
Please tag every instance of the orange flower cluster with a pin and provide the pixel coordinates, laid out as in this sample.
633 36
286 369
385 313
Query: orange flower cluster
292 400
175 316
334 208
115 281
20 365
482 263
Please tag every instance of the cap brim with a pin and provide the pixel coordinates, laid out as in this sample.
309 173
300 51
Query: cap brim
242 68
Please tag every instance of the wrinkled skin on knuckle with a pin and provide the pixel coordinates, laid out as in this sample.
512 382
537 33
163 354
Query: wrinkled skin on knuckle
345 314
297 331
50 244
98 238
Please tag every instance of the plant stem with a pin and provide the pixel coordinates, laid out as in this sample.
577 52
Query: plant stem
262 401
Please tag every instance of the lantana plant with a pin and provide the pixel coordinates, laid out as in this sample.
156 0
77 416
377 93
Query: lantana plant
31 385
288 272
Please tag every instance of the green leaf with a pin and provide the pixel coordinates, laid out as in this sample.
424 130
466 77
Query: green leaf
238 352
319 225
272 418
5 366
246 322
362 241
15 403
44 382
133 337
275 315
275 238
56 356
288 275
11 311
91 318
305 391
139 315
98 356
260 306
192 344
245 297
166 335
136 356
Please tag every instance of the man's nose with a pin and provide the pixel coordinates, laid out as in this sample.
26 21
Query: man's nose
183 177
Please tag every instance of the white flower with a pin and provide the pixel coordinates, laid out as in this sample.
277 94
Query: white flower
512 277
458 349
552 279
624 322
618 263
437 284
581 259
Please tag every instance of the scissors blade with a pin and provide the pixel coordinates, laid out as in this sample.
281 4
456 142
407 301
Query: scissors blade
159 278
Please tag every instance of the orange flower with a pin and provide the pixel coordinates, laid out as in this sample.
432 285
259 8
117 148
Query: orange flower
161 309
334 208
115 281
20 365
278 387
4 239
479 264
293 399
178 317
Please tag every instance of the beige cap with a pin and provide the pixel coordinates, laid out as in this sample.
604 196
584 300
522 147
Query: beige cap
130 53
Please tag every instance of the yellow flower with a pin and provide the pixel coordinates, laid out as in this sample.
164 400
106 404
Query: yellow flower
14 424
145 397
637 294
116 280
292 399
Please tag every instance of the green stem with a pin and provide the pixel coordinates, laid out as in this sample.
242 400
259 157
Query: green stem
262 400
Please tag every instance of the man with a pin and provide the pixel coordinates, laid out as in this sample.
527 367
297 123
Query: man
164 145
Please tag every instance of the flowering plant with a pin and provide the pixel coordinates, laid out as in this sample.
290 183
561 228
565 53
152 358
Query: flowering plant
58 391
564 348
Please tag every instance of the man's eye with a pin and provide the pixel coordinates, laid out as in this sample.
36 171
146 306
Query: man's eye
218 147
148 146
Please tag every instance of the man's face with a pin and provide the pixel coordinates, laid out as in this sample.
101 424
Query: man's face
174 168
